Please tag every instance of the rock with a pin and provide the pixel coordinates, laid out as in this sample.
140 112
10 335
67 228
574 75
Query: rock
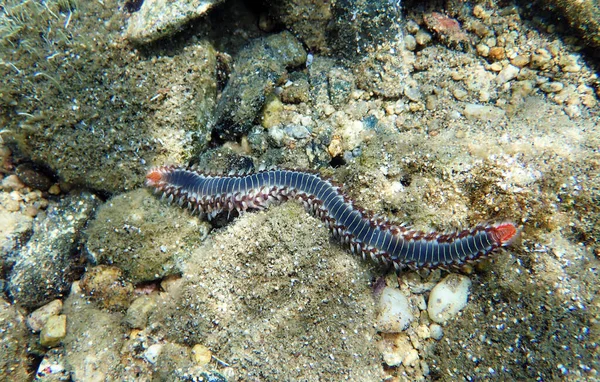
139 310
508 73
393 311
297 90
583 16
46 266
160 18
397 349
151 354
201 354
173 360
12 182
93 341
127 229
303 299
436 332
15 230
32 176
52 368
447 29
54 331
369 78
38 318
359 26
14 363
448 297
105 285
484 113
346 27
258 67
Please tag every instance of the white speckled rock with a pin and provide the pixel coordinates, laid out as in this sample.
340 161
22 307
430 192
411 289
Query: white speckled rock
394 313
160 18
448 297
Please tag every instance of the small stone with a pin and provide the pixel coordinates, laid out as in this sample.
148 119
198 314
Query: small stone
479 12
541 59
436 332
496 67
551 87
481 112
448 297
394 313
423 332
412 93
412 27
422 37
411 358
54 189
460 94
160 18
12 182
54 331
521 60
139 311
151 354
508 73
32 176
410 42
106 285
201 354
497 53
12 205
38 318
271 115
482 50
335 148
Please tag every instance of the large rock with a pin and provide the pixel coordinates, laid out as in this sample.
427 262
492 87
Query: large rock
142 236
258 67
160 18
47 265
274 297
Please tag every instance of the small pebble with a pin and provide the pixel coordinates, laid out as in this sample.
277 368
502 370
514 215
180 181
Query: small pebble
54 189
12 182
448 297
520 60
482 50
551 87
412 27
38 318
54 331
422 37
436 332
410 42
151 354
497 53
33 177
460 94
202 355
508 73
394 313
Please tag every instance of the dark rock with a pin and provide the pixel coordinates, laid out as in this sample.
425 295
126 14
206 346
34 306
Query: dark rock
359 26
46 266
257 69
33 176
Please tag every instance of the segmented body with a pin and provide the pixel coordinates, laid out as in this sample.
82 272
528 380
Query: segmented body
378 239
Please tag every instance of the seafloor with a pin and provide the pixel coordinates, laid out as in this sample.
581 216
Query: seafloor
442 115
